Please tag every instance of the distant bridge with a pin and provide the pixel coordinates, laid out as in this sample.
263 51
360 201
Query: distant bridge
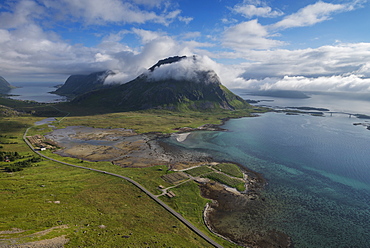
343 113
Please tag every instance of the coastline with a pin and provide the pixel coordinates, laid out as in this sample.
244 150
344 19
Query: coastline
152 150
227 207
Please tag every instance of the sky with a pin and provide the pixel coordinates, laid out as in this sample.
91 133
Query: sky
250 44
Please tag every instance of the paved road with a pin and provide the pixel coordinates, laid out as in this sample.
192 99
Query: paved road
164 205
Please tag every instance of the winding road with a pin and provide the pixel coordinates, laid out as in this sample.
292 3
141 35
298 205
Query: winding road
164 205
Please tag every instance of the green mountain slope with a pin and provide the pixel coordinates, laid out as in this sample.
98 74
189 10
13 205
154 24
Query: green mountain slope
203 91
79 84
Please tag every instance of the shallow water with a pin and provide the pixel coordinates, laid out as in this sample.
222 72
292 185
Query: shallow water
318 173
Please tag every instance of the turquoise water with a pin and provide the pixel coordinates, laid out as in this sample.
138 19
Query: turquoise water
318 173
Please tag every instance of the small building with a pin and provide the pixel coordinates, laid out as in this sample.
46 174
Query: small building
170 194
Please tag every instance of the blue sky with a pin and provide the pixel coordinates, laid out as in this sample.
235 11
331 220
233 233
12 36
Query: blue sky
252 44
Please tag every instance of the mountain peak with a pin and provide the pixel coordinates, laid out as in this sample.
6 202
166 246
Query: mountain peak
195 69
175 83
168 60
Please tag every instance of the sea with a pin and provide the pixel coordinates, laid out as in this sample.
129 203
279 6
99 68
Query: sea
38 92
317 168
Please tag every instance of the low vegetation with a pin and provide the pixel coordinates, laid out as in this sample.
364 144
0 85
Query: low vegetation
224 179
98 210
199 171
20 165
230 169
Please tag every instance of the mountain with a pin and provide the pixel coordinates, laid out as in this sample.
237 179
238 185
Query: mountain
167 85
79 84
5 87
169 60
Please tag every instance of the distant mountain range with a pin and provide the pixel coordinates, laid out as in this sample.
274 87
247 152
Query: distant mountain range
5 87
170 88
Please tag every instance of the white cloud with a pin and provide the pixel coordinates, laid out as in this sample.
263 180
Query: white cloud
321 61
249 35
190 35
102 57
187 20
22 13
185 69
250 9
99 12
309 15
340 67
252 35
146 35
4 36
118 77
350 83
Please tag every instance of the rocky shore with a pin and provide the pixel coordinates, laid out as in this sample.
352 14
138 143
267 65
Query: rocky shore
226 215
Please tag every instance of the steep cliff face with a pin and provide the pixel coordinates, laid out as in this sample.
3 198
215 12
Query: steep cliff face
79 84
179 87
5 87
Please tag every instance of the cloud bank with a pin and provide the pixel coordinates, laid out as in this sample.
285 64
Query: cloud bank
351 83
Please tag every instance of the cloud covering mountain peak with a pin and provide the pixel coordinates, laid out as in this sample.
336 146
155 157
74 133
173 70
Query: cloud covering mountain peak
185 68
195 68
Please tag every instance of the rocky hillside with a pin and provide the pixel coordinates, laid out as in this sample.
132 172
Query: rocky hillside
167 88
5 87
79 84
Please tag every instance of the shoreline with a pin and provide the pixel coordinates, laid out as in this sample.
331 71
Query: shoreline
153 146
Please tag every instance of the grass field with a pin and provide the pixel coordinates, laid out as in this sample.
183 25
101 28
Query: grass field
151 120
230 169
222 178
198 171
50 195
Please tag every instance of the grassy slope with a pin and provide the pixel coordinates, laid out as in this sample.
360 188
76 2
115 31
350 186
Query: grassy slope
89 199
153 120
